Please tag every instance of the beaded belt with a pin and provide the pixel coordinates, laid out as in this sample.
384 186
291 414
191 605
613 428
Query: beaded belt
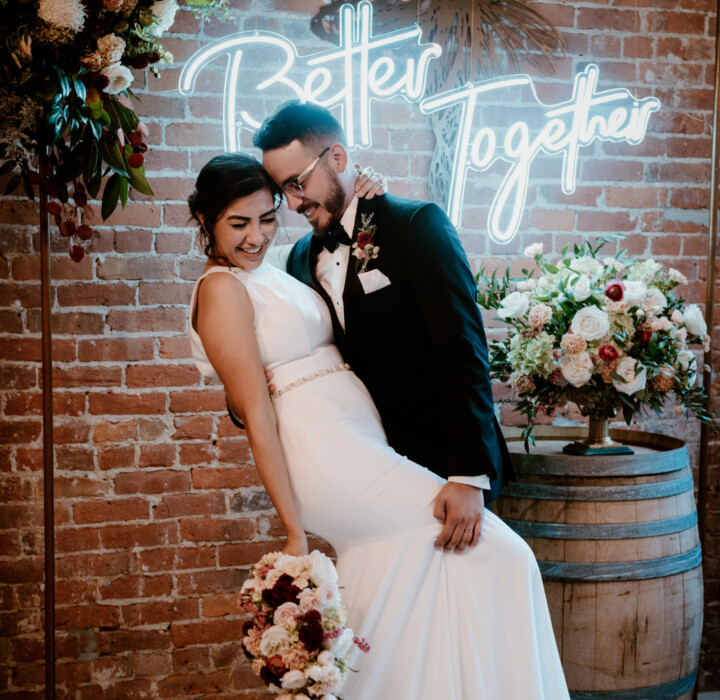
343 367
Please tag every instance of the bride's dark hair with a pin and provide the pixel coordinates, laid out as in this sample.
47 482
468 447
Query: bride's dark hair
221 181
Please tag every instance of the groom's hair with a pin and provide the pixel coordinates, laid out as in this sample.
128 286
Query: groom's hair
305 121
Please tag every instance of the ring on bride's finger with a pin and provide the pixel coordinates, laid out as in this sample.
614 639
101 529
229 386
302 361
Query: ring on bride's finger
468 529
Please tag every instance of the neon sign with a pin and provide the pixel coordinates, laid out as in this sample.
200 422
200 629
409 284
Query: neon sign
359 72
611 115
375 77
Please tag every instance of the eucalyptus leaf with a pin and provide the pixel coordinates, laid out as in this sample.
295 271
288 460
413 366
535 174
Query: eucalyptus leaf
111 155
13 184
139 181
124 186
7 167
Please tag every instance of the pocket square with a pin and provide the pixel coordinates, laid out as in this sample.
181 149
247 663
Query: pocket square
372 280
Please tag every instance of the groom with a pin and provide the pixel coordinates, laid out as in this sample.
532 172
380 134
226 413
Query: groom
402 300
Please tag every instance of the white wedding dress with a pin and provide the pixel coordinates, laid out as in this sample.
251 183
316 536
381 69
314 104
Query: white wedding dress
442 626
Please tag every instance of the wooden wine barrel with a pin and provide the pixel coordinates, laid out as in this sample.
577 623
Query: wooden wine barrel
617 542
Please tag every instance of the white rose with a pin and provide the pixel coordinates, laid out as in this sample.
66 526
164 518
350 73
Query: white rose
120 78
328 592
322 569
633 382
635 291
614 263
275 640
331 677
532 250
590 323
587 266
677 318
325 658
577 368
526 285
164 11
654 301
514 305
341 646
293 680
682 335
694 320
688 363
314 673
582 289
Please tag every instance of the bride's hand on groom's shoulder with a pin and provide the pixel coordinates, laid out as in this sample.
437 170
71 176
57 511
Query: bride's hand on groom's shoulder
369 183
296 545
460 508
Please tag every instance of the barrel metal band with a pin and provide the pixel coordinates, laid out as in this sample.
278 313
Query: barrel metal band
632 492
584 572
630 465
620 531
665 691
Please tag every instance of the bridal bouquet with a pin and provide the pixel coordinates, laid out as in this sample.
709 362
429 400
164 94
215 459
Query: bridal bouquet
296 638
66 68
607 333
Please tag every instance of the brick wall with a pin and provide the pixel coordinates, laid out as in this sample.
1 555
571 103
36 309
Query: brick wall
159 508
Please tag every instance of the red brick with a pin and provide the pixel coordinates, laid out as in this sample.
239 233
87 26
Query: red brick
158 376
96 295
188 504
127 268
30 349
114 403
178 558
117 510
196 453
174 348
190 401
119 457
65 403
153 665
216 530
210 632
195 683
160 612
163 481
165 293
87 615
230 478
13 432
133 241
84 375
126 536
161 455
116 349
191 659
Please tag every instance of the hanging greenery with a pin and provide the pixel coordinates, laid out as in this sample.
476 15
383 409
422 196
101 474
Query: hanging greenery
66 120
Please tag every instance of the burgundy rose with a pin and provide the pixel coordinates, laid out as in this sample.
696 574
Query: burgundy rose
615 291
312 636
276 665
312 616
644 336
282 592
364 239
268 676
246 627
608 353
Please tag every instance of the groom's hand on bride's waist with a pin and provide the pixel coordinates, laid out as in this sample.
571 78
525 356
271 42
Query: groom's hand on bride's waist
460 508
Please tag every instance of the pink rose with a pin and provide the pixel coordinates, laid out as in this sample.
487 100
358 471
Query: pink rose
310 599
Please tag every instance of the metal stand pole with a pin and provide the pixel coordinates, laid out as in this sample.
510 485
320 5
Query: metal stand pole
710 297
48 471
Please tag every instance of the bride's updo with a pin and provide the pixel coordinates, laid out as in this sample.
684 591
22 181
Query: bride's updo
224 179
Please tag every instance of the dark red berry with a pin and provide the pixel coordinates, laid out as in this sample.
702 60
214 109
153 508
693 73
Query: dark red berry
77 253
53 208
136 160
84 232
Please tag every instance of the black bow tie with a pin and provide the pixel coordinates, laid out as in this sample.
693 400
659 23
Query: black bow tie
334 237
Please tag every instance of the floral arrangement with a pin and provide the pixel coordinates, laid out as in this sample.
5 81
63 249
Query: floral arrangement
296 638
608 334
364 249
65 117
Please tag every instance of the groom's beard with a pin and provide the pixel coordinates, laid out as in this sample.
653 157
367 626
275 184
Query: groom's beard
334 205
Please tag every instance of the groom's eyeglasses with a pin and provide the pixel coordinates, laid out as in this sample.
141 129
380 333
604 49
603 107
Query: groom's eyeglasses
293 186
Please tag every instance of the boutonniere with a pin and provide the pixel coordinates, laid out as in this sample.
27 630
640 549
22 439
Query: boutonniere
364 249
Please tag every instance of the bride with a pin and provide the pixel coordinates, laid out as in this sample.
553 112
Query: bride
443 626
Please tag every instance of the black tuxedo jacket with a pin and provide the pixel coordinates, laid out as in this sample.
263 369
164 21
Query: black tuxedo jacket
419 344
